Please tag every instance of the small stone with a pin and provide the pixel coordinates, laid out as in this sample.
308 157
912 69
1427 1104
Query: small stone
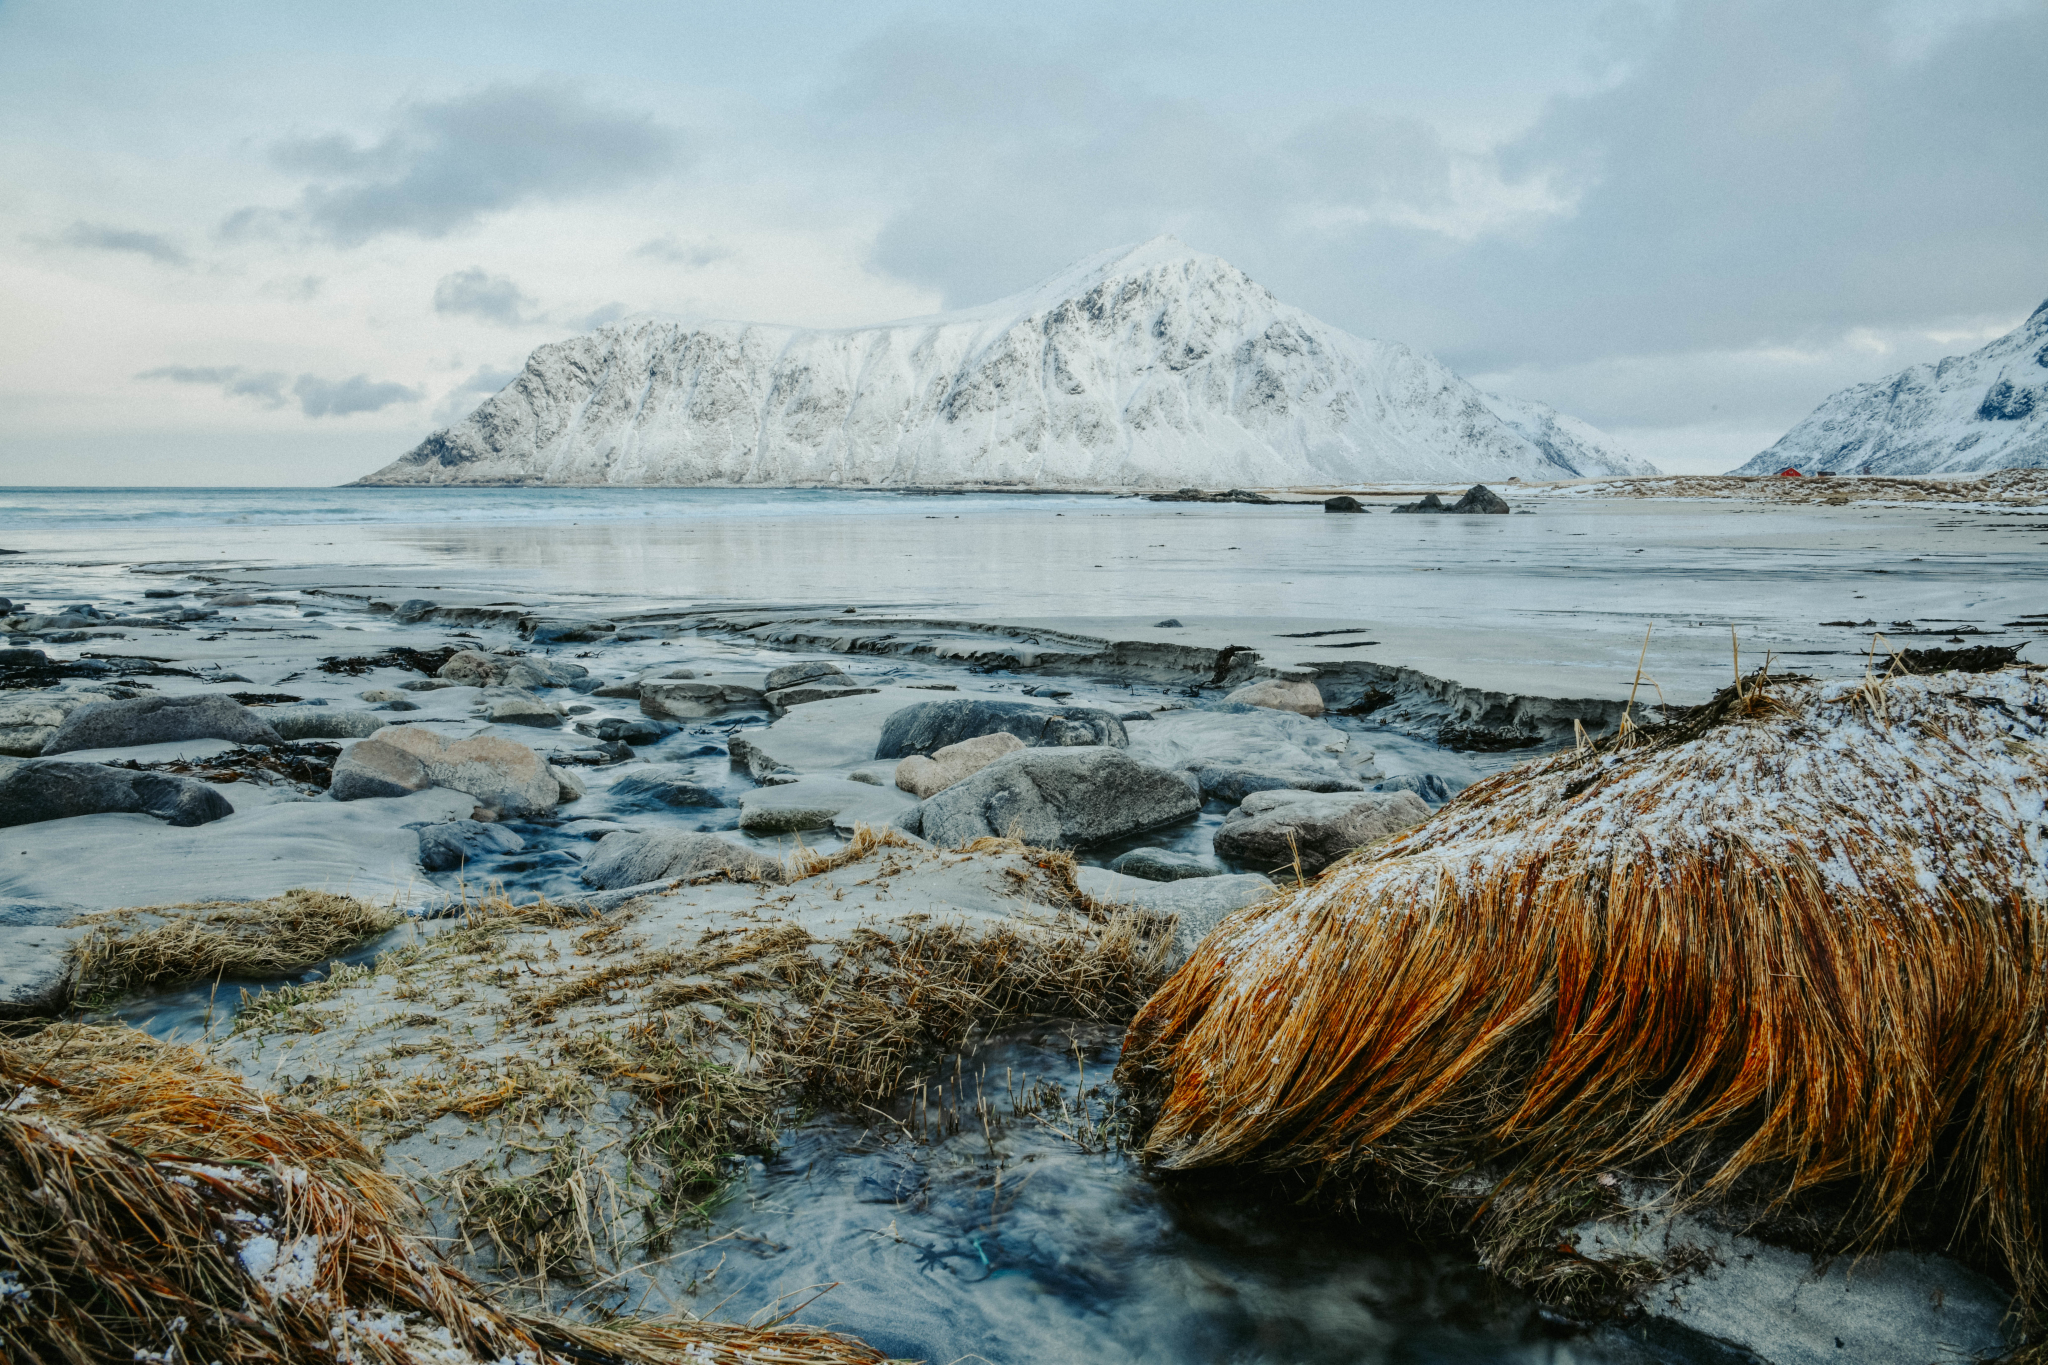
1162 865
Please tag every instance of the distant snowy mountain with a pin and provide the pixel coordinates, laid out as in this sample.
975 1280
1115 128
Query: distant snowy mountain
1146 367
1966 415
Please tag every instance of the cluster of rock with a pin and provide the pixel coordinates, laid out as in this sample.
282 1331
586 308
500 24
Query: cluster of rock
1478 499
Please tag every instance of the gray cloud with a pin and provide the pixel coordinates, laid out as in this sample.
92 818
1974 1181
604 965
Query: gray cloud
696 255
474 293
1751 175
599 316
445 164
102 237
339 397
317 397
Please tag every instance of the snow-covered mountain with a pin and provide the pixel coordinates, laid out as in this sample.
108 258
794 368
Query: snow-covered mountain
1967 414
1148 366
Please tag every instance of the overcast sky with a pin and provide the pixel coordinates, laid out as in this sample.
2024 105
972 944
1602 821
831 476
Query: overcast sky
274 244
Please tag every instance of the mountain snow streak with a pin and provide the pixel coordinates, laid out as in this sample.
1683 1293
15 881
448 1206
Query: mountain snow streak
1146 367
1968 414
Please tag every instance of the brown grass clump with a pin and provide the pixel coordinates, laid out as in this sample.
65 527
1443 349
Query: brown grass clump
1786 953
135 950
152 1208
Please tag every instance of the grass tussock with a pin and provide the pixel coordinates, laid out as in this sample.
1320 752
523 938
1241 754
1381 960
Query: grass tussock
144 949
152 1208
1784 955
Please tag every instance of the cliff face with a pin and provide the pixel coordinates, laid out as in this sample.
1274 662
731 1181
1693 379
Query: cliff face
1968 414
1152 366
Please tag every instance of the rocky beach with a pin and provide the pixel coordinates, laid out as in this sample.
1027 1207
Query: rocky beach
713 909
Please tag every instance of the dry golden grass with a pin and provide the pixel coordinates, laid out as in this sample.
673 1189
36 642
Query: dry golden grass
1788 951
134 950
152 1208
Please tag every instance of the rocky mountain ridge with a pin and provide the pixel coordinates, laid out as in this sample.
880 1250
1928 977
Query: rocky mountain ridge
1967 414
1146 367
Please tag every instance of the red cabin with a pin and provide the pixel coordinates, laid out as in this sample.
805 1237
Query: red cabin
1788 472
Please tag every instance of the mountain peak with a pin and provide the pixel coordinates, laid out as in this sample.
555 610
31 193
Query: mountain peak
1147 365
1968 414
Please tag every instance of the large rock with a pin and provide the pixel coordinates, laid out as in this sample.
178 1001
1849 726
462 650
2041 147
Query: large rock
159 720
627 859
818 803
933 725
36 968
456 843
1058 797
926 777
29 722
507 778
322 722
685 699
474 668
817 671
518 708
823 690
373 770
663 786
1277 694
33 790
1343 502
1234 752
1323 827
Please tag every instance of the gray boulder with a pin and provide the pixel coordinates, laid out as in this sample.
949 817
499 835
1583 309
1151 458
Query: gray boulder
159 720
412 609
1162 865
508 778
33 790
932 725
824 689
371 770
790 675
1322 827
36 970
683 699
819 803
626 859
663 787
474 668
1058 797
29 722
1481 499
1343 502
456 843
624 730
322 722
521 709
